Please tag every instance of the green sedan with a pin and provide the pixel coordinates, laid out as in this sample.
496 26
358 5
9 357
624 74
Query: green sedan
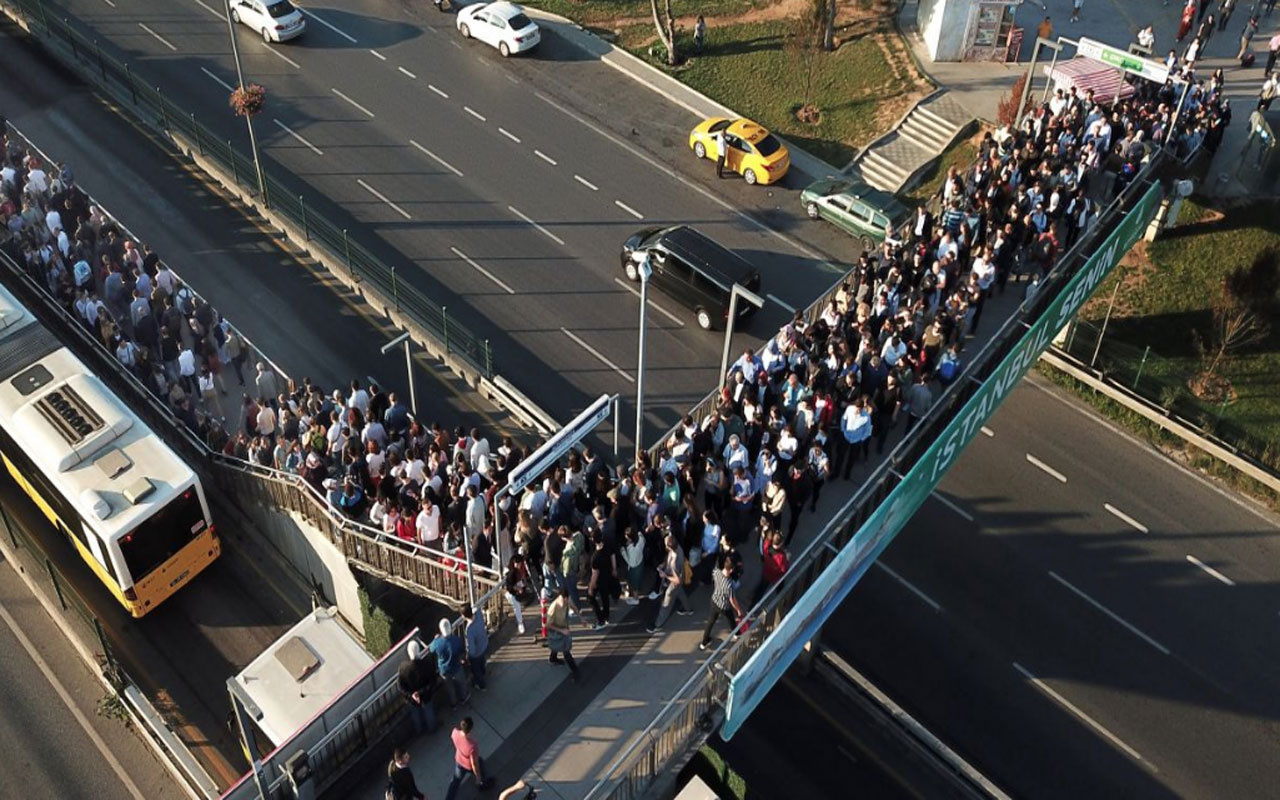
862 211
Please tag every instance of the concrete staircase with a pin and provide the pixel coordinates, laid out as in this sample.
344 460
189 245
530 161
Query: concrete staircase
892 161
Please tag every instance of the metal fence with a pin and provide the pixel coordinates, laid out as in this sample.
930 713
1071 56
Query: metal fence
690 715
48 23
1164 381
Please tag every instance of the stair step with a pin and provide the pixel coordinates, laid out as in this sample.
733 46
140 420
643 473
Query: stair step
883 164
929 138
942 122
931 123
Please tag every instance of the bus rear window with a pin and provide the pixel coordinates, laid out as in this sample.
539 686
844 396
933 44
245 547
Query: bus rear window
159 538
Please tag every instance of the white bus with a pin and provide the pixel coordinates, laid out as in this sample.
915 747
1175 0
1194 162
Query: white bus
134 510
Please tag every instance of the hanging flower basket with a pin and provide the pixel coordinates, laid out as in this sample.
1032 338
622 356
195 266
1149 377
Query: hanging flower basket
248 100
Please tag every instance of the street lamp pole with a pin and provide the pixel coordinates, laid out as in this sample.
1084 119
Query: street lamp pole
645 270
408 365
248 118
751 297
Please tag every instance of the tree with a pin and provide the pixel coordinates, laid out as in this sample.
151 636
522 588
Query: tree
827 13
805 47
1007 111
665 22
1239 320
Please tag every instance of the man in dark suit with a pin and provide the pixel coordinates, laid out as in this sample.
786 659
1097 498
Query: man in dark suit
922 225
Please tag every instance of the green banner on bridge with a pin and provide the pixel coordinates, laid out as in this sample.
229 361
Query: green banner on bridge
751 683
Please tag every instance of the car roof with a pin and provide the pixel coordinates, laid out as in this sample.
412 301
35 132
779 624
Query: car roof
883 201
504 9
706 254
748 130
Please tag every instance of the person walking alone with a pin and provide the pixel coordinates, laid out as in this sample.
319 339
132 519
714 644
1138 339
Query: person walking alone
724 603
416 678
671 575
699 34
466 760
477 639
559 634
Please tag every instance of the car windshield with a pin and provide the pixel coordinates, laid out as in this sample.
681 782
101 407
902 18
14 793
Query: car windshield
518 22
768 145
719 126
835 188
281 9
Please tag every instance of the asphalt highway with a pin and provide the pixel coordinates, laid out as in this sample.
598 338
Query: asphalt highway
507 188
56 743
1080 617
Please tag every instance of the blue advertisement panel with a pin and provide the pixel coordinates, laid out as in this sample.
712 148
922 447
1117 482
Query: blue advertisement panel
751 683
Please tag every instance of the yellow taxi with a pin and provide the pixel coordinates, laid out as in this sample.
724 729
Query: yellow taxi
750 150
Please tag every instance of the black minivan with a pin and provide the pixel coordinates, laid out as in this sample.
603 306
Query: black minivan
695 270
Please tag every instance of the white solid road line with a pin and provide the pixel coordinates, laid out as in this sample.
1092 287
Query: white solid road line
549 234
597 354
628 209
545 157
474 113
407 72
652 304
295 135
218 80
1210 570
359 107
158 37
509 134
65 697
1114 616
1062 478
437 159
329 25
952 506
1116 740
1125 517
934 604
586 183
378 55
787 307
384 199
987 431
482 270
108 2
440 92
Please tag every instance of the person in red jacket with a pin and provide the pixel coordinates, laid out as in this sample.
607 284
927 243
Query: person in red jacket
774 563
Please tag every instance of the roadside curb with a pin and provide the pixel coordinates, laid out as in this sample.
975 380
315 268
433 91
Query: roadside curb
1157 415
654 79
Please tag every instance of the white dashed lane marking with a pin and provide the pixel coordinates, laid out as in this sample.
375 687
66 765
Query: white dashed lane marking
545 157
586 183
482 270
331 27
218 80
384 199
628 209
652 304
158 37
597 354
1114 616
1048 469
522 216
437 159
1067 704
297 136
1125 517
1210 570
358 107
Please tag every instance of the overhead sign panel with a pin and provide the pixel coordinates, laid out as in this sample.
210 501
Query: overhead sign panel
559 444
751 683
1112 57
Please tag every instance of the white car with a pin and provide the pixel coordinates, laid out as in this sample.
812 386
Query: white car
276 20
502 25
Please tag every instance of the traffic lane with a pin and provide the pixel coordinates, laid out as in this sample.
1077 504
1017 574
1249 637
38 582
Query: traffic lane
1157 704
57 744
305 321
165 34
1146 578
807 740
679 354
964 689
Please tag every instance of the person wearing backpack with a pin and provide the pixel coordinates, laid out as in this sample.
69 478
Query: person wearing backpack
400 782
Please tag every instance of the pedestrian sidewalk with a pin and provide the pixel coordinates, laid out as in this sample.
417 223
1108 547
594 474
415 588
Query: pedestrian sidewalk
536 724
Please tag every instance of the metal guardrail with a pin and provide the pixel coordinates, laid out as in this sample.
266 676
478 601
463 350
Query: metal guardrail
50 25
690 714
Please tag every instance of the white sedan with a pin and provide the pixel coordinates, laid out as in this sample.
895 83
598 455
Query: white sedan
276 20
501 24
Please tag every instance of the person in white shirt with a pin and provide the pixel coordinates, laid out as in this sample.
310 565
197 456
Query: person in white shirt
266 421
787 445
374 432
359 398
893 350
984 270
475 512
734 454
479 450
428 522
187 369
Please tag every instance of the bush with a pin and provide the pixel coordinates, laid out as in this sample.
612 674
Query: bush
248 100
378 634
